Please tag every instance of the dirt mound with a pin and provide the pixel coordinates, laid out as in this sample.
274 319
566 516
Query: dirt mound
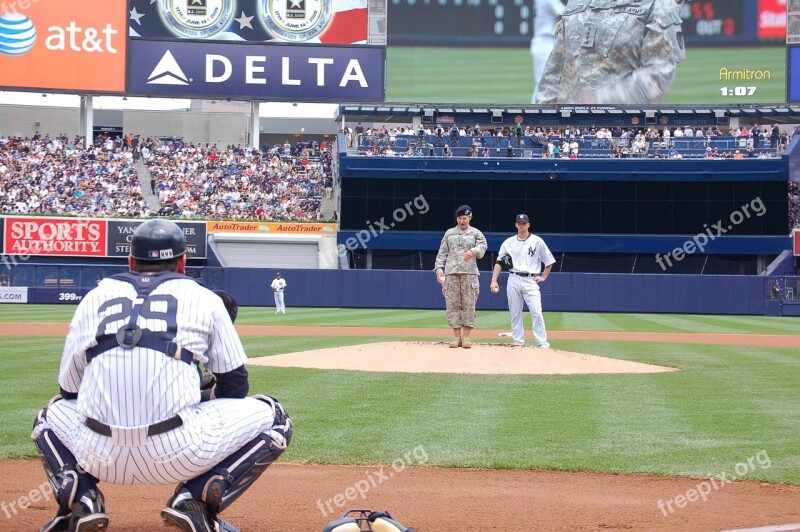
483 359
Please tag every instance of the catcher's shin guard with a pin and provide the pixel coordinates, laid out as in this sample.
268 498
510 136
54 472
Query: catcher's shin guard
67 480
223 484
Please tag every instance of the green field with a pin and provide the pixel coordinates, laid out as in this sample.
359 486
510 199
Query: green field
504 76
725 405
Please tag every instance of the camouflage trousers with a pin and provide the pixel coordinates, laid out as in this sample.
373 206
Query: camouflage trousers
460 294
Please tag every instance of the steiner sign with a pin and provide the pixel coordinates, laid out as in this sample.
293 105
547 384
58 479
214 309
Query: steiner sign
120 233
55 236
275 72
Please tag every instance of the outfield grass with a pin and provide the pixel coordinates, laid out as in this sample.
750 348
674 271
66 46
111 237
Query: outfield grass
725 405
495 320
504 75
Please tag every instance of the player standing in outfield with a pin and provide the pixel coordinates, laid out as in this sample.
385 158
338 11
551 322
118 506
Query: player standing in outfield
130 409
613 52
278 286
457 271
524 254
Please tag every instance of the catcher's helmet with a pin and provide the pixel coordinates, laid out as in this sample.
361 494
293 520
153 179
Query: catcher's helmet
157 240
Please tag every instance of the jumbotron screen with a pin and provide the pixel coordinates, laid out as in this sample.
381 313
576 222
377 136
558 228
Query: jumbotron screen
682 52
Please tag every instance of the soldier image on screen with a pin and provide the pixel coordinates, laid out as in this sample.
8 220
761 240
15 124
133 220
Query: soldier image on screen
614 52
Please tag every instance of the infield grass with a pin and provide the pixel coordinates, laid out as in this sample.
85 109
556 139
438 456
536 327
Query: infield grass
505 76
724 406
435 319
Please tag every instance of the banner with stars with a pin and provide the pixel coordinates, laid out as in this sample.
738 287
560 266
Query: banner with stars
293 21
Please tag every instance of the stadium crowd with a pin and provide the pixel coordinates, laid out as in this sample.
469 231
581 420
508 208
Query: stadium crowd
57 175
282 182
617 142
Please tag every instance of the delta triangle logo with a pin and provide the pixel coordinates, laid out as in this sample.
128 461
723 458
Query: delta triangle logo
167 72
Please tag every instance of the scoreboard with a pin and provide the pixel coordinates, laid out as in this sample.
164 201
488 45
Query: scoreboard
510 22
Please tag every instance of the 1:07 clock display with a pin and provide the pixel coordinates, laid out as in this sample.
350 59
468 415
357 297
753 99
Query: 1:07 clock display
738 91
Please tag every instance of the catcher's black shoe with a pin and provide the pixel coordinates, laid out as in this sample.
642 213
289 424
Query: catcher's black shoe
190 515
88 515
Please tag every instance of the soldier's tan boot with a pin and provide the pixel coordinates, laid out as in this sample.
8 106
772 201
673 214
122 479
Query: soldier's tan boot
457 340
465 343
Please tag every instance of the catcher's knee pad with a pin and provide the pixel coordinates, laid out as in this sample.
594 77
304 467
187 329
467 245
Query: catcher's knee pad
67 480
227 481
223 484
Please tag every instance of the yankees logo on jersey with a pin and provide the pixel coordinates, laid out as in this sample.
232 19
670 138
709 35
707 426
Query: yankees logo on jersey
526 255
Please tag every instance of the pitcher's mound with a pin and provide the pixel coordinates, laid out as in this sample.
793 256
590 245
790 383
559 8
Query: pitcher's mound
486 359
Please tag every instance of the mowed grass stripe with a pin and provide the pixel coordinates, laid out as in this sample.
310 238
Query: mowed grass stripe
436 319
705 418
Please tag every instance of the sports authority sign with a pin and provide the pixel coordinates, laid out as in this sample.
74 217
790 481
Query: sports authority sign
275 72
55 236
81 237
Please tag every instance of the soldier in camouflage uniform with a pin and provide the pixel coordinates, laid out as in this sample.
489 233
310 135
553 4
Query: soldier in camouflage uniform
614 52
457 271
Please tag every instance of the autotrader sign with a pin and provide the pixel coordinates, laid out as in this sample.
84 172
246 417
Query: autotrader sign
120 233
274 72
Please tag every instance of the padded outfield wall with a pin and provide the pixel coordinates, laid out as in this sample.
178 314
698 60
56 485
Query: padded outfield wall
578 292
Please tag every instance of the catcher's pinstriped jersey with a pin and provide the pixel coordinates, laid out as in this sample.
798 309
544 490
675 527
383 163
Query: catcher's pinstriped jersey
131 389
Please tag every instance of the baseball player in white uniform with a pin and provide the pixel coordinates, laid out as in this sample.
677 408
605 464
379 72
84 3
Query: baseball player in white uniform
278 286
524 254
130 409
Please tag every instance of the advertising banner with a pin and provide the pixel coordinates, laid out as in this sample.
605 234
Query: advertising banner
771 19
272 228
55 236
298 21
121 231
63 45
796 242
13 294
702 52
256 72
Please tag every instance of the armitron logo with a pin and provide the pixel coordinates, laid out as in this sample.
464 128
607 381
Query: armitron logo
167 72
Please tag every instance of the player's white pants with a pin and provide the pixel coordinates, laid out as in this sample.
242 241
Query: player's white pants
279 305
211 431
524 290
541 47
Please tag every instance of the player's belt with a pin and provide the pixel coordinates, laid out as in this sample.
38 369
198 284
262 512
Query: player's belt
156 428
523 274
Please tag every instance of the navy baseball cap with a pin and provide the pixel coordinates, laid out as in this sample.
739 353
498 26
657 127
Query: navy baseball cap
523 218
464 210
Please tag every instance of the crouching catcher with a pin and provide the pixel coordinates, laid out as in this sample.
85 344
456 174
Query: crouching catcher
130 409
